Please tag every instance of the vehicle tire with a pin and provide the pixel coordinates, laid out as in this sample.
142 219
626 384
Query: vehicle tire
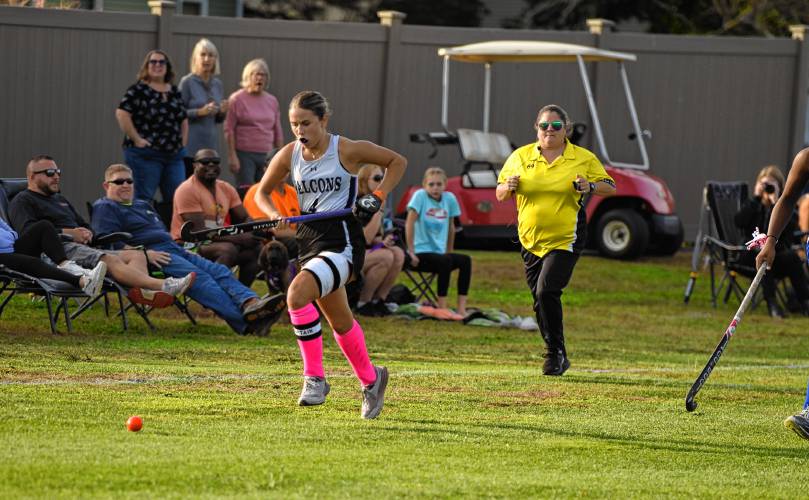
622 234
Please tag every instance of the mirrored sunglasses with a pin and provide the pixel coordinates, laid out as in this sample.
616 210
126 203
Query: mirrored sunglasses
556 125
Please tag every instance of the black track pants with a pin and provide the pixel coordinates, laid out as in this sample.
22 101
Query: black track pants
547 277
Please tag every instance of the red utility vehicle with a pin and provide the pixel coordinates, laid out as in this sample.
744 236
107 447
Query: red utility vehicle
640 216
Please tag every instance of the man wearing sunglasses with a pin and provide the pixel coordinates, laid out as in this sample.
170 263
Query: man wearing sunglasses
206 201
215 287
43 200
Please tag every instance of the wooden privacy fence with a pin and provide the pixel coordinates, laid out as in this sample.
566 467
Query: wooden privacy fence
718 108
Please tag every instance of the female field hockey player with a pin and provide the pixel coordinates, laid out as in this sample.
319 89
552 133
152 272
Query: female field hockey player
785 206
324 169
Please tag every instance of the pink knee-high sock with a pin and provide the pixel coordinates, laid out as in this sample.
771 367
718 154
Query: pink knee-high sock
306 322
352 344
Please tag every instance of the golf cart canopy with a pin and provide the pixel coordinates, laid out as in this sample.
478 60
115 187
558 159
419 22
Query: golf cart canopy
530 51
515 51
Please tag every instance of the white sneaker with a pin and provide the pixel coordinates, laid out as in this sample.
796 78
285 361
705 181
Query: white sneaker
529 324
314 391
73 268
373 397
178 286
94 280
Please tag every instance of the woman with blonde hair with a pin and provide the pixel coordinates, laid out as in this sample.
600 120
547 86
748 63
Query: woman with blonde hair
383 259
253 124
204 98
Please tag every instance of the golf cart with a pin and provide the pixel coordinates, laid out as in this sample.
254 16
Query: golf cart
638 217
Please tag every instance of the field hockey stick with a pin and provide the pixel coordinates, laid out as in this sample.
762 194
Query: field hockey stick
186 234
690 404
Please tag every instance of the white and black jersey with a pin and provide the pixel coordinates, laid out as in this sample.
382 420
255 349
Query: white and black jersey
331 249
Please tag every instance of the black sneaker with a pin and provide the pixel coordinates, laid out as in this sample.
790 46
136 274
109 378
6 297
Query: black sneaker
264 308
556 362
369 309
381 308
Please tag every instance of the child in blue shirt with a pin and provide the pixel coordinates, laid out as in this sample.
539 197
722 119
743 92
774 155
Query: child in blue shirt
430 234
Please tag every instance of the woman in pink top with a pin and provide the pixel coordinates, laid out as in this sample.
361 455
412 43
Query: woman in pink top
253 124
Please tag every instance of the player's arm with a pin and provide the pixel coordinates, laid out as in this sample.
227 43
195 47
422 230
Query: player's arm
781 213
276 173
354 154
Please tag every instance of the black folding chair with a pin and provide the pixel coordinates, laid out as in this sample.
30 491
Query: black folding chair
421 282
55 293
9 187
720 244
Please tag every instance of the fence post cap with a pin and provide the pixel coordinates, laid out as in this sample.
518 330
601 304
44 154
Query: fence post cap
390 17
799 31
161 7
599 26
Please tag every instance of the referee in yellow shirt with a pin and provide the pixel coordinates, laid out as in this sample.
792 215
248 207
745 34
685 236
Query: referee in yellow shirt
550 179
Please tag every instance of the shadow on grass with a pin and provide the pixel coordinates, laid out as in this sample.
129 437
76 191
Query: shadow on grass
670 444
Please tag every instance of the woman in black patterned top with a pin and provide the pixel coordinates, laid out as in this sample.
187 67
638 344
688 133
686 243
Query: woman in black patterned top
153 118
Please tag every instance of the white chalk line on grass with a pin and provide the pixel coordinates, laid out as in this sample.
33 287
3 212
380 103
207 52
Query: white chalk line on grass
193 379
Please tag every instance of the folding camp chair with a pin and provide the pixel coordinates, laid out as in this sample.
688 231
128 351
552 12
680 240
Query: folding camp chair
421 282
52 291
15 283
720 243
8 189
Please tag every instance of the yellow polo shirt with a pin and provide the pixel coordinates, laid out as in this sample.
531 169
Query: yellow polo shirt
550 212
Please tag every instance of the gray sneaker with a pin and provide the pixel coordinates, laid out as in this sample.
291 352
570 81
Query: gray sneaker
799 423
73 268
373 397
314 391
178 286
94 280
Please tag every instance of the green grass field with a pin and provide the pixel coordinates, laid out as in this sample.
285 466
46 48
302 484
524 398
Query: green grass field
467 414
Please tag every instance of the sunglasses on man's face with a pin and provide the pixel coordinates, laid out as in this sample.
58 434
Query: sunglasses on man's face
157 62
121 182
209 161
378 178
556 125
50 172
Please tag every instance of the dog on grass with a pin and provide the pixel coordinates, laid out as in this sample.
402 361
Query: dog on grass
274 261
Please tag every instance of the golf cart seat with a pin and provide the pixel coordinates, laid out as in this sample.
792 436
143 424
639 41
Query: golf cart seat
482 148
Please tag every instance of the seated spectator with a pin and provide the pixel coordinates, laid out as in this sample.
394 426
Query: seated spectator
430 235
215 287
383 258
43 201
22 253
285 199
755 213
206 202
